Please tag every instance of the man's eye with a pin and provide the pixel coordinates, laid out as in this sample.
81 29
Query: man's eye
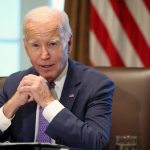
52 44
35 45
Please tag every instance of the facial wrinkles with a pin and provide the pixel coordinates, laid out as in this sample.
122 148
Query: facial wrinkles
40 30
43 35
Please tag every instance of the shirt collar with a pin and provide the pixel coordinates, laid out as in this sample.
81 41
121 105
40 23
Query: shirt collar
59 82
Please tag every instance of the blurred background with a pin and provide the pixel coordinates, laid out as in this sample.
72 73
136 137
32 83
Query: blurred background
105 32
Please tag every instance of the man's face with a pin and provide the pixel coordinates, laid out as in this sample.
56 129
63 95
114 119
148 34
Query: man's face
47 50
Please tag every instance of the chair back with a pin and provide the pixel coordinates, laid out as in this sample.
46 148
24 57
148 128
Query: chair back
2 79
131 102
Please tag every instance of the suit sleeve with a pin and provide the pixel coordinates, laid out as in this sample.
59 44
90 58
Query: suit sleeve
4 122
93 132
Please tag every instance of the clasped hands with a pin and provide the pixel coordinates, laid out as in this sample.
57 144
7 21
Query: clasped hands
31 88
35 88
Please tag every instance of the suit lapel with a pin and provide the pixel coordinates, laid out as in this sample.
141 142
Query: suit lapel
71 86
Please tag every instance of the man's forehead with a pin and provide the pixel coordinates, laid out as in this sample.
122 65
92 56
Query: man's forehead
48 25
38 29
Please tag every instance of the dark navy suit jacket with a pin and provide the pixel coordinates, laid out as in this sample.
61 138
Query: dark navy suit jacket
84 123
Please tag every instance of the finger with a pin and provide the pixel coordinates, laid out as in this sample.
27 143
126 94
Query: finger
30 98
24 82
28 80
32 80
25 89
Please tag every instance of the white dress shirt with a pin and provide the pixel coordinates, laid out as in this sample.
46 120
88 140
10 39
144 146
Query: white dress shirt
49 112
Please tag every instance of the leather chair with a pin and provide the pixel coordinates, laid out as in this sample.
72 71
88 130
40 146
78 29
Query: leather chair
1 82
131 104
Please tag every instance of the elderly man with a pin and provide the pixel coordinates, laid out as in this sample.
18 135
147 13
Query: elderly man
57 100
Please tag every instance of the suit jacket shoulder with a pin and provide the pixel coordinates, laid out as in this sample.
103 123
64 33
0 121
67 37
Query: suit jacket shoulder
88 75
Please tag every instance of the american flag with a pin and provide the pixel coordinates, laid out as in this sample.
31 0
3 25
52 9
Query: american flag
120 33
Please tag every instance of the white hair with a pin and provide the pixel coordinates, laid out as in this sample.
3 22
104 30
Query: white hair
45 14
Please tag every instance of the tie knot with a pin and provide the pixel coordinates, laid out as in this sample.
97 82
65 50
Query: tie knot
51 85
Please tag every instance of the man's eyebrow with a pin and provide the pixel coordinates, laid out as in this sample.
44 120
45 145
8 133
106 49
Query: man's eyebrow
32 41
54 40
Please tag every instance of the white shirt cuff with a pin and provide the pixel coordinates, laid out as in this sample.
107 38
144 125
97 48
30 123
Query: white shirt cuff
52 110
5 122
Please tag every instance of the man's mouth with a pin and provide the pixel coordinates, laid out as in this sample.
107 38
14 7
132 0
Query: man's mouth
46 66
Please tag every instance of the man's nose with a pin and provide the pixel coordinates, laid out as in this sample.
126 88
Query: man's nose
45 53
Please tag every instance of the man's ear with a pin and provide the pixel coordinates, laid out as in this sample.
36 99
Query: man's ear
70 44
25 45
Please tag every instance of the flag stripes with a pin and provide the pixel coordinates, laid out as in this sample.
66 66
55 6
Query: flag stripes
106 42
147 3
121 32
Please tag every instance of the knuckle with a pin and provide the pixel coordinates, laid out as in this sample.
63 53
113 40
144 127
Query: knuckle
36 86
41 78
